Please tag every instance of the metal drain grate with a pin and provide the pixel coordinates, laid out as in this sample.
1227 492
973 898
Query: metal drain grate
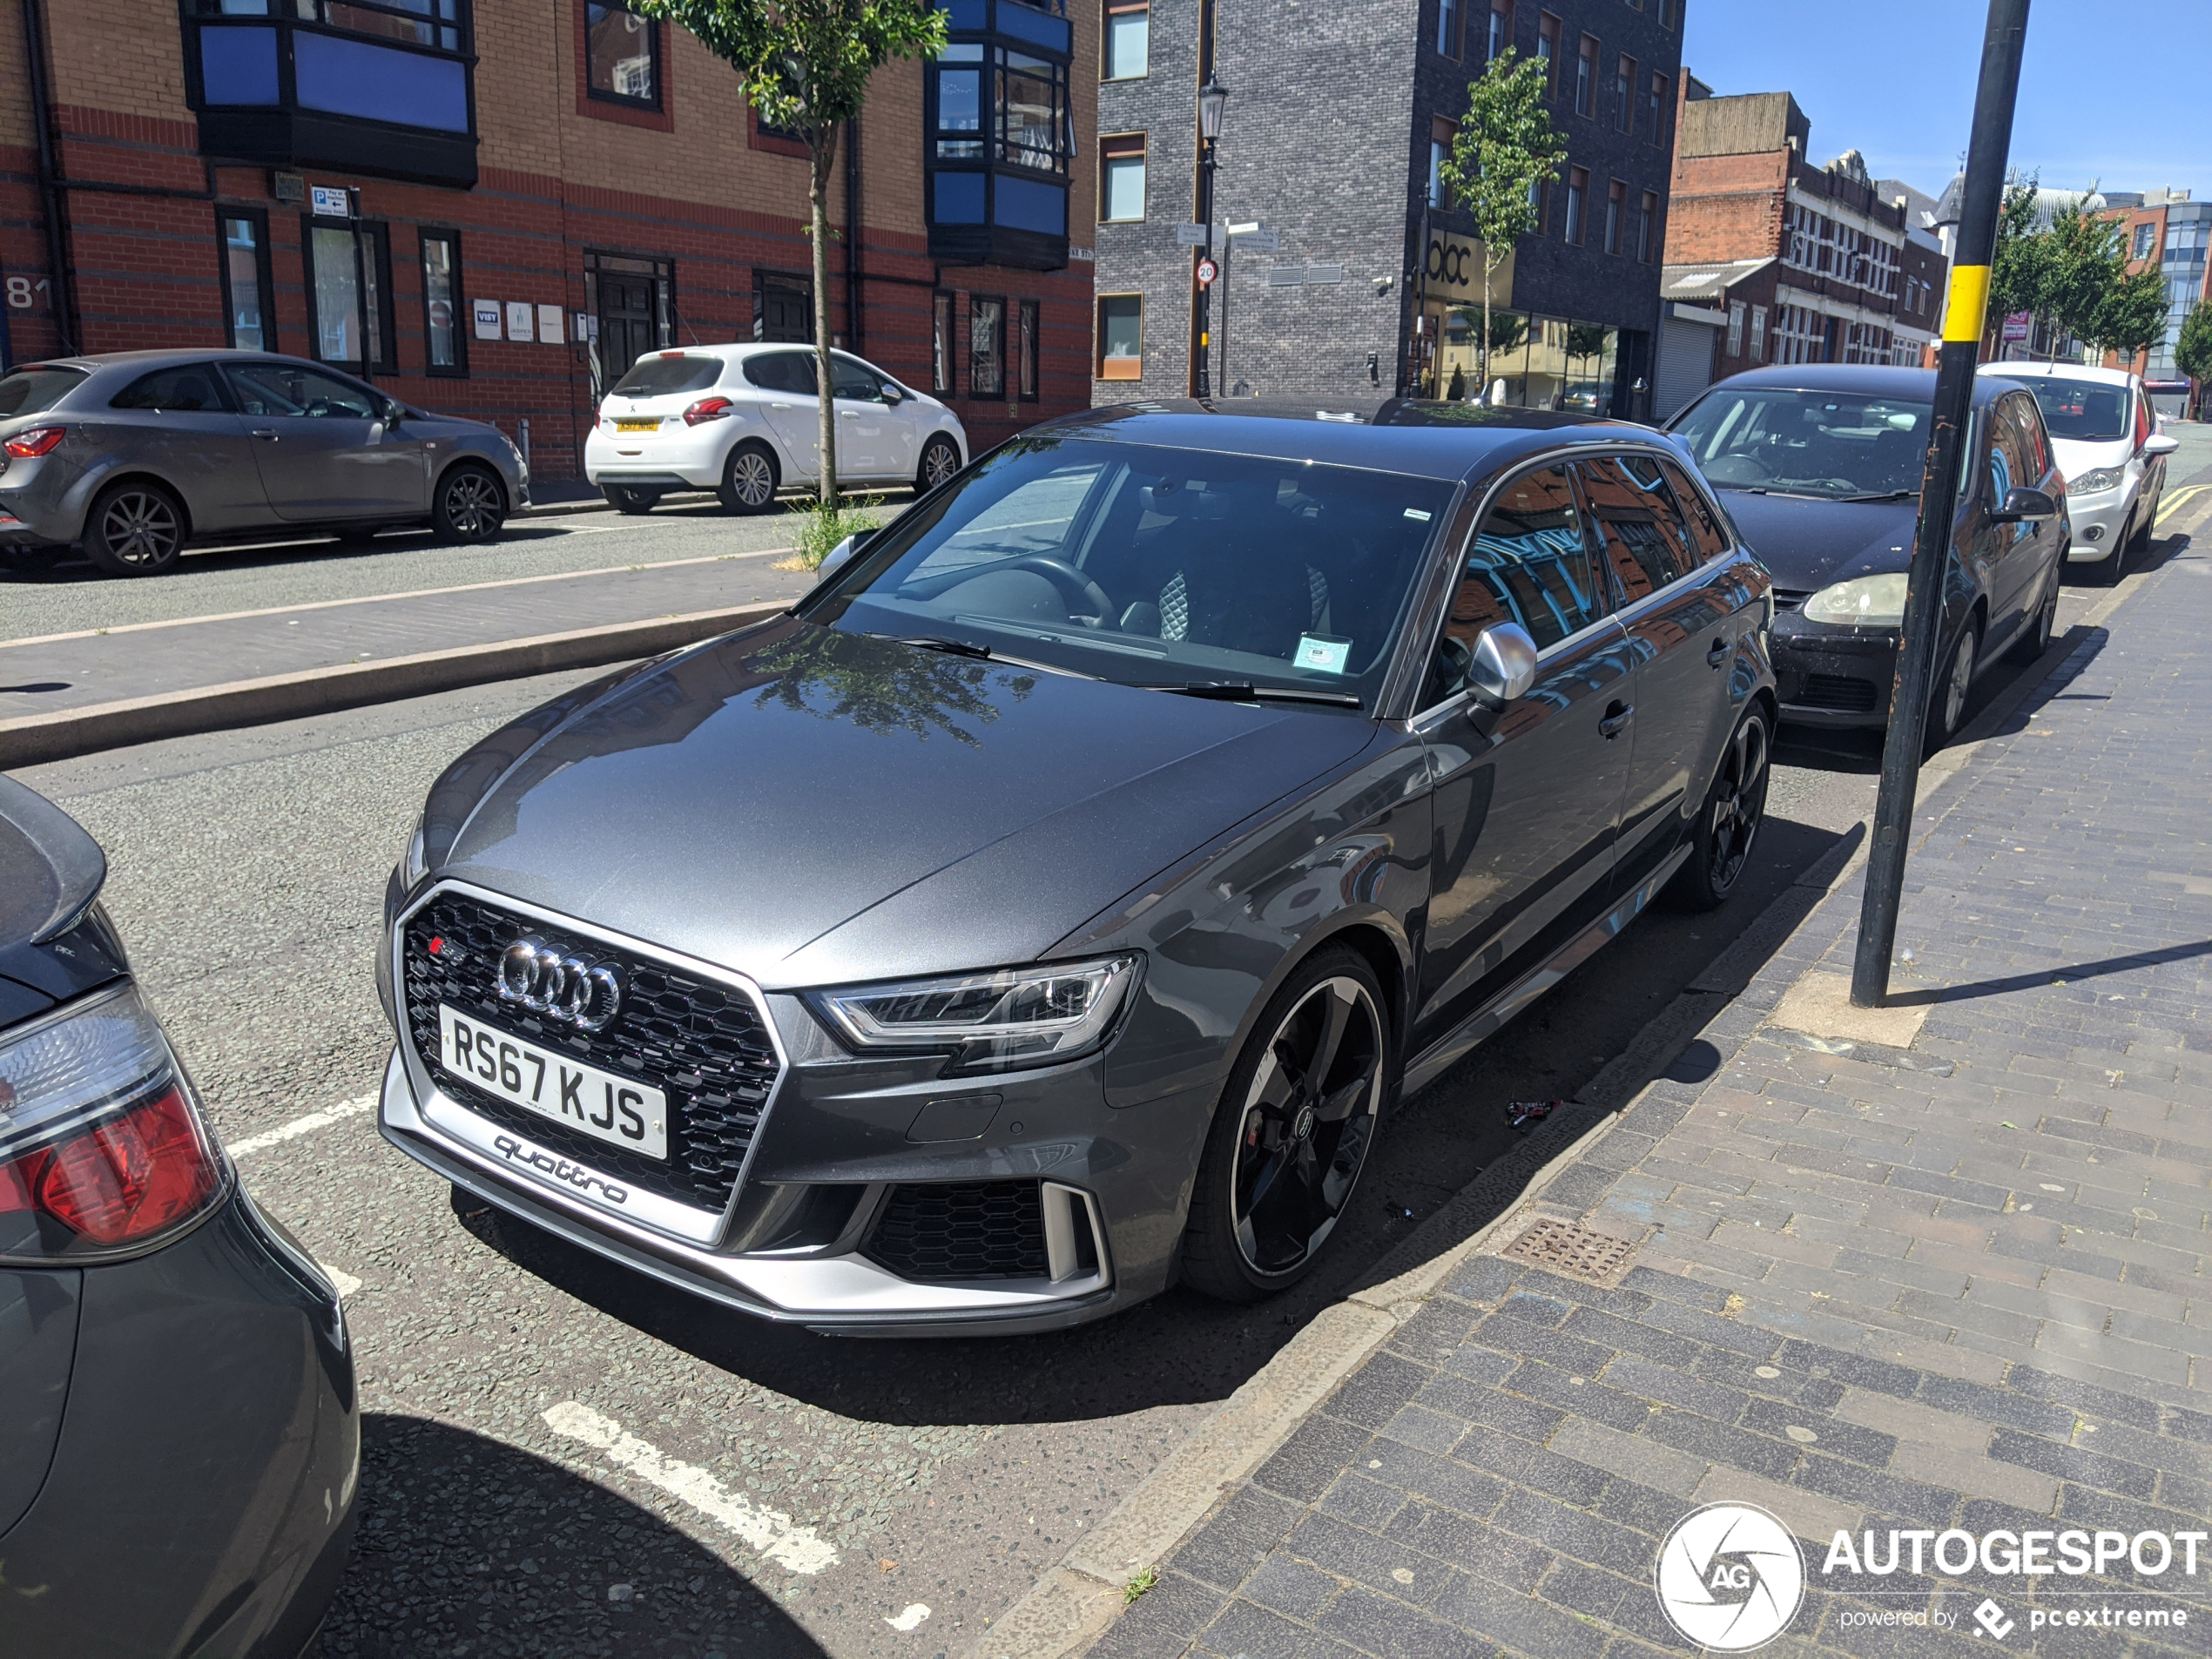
1574 1252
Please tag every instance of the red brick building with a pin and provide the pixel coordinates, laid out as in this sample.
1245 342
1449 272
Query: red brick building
544 189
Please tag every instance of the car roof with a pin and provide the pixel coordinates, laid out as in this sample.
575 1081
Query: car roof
1416 436
2068 371
1862 379
90 362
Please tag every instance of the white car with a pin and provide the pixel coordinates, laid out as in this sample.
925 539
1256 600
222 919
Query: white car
2108 445
744 421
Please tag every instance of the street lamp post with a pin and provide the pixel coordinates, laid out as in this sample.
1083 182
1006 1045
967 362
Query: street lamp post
1211 99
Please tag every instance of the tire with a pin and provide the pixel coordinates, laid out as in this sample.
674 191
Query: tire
470 506
749 480
1298 1150
939 461
1953 685
2108 570
135 528
1729 822
627 500
2140 542
2037 640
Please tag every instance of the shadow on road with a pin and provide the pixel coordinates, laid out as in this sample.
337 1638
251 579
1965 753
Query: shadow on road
469 1540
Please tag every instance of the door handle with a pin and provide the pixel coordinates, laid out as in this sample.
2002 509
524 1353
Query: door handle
1617 715
779 406
263 434
1718 655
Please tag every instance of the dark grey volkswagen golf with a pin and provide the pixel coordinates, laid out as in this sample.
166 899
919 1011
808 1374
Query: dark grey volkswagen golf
1057 902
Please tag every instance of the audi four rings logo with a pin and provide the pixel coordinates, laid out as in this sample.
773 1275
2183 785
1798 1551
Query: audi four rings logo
561 987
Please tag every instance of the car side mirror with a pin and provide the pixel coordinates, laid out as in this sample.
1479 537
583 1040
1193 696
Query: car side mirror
841 555
1504 665
394 412
892 395
2158 444
2021 502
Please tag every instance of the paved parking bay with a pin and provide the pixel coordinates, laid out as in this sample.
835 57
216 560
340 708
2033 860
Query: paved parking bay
561 1458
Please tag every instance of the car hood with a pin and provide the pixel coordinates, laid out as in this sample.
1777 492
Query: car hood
813 807
2076 456
1808 545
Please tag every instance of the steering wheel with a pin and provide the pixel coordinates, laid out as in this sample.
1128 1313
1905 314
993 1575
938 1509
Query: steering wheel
1074 587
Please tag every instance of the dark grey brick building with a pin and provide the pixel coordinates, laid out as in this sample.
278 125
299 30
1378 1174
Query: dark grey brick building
1336 111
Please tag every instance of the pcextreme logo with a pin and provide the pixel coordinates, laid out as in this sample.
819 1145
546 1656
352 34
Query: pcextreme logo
1730 1577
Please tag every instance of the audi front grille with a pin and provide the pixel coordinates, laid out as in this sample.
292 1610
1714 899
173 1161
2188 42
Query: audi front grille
705 1044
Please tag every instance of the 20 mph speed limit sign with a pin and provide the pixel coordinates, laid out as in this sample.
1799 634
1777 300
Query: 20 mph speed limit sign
1207 271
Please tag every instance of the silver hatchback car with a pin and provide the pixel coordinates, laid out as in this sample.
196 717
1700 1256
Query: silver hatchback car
132 455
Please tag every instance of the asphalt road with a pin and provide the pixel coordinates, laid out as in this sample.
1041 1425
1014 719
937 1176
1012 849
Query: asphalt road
693 1461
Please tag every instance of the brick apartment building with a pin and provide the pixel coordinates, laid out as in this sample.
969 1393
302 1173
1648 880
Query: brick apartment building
546 188
1772 259
1338 114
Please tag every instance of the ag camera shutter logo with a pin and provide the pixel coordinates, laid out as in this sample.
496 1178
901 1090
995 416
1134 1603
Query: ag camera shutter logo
1730 1577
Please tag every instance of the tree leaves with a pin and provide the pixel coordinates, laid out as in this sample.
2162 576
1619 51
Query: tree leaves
2192 356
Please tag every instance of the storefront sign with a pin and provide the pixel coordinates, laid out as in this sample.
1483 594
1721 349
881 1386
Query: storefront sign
488 319
522 320
550 324
1454 267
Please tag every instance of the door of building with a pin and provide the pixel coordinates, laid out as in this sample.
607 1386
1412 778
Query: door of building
626 322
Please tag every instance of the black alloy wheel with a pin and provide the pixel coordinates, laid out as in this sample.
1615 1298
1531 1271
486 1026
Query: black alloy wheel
749 480
626 499
2037 640
135 530
1954 683
1735 807
939 461
1292 1132
470 506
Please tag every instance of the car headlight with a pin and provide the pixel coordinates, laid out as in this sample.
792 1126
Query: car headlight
1864 601
416 864
2096 483
1017 1016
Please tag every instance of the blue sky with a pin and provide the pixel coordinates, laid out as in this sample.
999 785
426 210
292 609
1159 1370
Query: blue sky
2112 91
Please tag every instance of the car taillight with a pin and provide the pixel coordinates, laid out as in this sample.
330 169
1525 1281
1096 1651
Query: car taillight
102 1150
708 408
36 441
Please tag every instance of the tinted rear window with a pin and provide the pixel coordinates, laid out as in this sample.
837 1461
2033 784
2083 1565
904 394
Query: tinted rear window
663 376
785 371
191 386
2091 411
29 390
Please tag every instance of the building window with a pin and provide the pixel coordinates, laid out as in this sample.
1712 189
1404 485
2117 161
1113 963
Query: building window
248 316
1121 337
1758 333
1500 30
1648 227
1128 44
334 294
621 54
986 346
1616 212
941 343
1025 356
1799 336
1447 27
2146 239
1667 13
1540 199
1121 178
444 338
1578 190
1440 134
958 72
1586 77
1659 109
783 306
1548 36
1736 328
1624 93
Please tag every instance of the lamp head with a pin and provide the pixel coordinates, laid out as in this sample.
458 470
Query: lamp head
1211 98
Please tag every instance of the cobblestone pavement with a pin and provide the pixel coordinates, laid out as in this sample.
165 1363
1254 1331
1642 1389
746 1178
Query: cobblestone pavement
1959 1285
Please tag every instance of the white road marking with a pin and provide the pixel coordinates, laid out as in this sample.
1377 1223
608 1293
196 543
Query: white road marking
908 1620
299 1126
801 1549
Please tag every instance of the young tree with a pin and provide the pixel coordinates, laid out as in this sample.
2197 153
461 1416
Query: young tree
2193 352
1505 148
806 66
2016 270
2132 314
2084 262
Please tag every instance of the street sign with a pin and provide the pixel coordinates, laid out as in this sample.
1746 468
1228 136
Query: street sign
329 201
1256 239
1189 236
1207 271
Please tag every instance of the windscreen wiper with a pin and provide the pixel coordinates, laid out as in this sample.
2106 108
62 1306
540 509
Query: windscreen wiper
950 647
1882 494
1239 692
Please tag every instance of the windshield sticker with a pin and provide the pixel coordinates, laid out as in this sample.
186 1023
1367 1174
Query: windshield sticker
1415 512
1322 654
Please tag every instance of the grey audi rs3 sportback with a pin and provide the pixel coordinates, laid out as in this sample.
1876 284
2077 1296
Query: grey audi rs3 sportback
179 1433
1055 903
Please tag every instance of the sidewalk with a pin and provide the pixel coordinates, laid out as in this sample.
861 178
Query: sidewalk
1955 1280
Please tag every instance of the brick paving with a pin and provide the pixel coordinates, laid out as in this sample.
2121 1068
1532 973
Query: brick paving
1963 1286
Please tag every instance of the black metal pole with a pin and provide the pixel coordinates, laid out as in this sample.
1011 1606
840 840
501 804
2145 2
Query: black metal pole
1205 289
1962 325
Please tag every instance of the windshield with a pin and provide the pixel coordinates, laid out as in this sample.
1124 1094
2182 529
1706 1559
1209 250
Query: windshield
1829 444
2087 410
1156 567
40 387
668 374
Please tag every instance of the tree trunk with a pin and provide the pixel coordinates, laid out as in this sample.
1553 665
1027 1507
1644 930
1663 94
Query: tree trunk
823 157
1489 269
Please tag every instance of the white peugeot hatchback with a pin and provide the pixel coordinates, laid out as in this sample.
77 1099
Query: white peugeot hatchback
744 421
2108 444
